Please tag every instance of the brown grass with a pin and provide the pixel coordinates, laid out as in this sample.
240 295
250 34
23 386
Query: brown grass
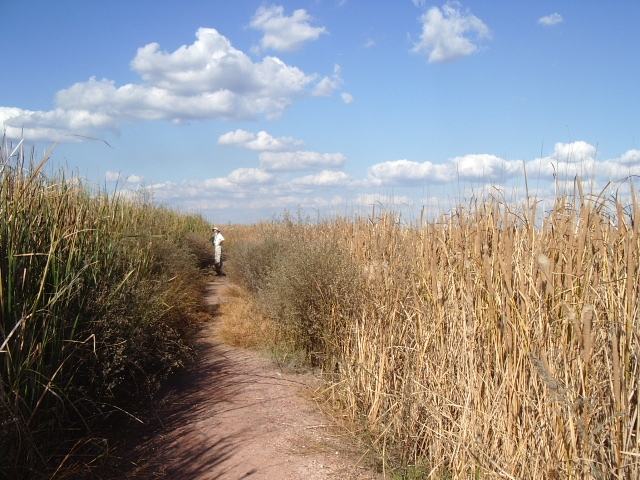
496 342
242 324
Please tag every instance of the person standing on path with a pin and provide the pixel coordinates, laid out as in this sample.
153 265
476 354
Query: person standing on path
217 240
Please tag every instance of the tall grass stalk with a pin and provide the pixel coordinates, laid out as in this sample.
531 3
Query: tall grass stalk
97 293
495 342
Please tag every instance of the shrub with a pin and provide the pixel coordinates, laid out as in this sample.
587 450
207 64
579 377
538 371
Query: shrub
304 283
253 259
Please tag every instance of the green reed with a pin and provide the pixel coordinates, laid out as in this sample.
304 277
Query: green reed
97 293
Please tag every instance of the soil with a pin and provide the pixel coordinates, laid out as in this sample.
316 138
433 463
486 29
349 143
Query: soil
237 415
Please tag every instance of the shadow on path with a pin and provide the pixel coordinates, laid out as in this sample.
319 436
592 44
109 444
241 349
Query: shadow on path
181 438
232 416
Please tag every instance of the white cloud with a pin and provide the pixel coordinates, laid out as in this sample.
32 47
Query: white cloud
485 167
550 20
325 87
238 138
326 178
208 79
134 179
296 161
251 192
573 152
367 199
566 161
445 33
211 64
631 157
579 159
284 33
219 184
55 124
328 85
112 176
261 142
474 166
119 177
347 98
615 170
249 176
409 172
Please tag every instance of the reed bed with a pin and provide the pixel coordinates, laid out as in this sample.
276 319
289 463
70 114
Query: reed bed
496 342
98 294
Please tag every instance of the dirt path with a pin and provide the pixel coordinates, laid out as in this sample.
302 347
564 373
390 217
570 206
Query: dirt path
237 416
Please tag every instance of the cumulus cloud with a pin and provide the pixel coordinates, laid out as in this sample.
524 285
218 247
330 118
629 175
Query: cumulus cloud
485 167
408 172
296 161
134 179
326 178
631 157
328 85
271 187
112 176
551 20
573 152
446 33
119 177
209 79
473 166
580 159
54 124
620 168
566 161
284 33
260 142
249 176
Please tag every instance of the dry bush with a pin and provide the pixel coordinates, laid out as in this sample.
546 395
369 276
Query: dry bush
300 275
253 256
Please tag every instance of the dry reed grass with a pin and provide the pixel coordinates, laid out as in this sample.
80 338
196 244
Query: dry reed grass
496 342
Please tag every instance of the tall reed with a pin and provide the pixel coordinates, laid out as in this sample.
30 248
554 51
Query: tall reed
94 306
499 341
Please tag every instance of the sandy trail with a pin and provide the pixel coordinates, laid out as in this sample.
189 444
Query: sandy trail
237 416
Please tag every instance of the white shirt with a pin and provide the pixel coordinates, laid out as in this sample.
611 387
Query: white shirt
218 239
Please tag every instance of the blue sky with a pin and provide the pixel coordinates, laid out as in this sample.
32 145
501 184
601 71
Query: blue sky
244 109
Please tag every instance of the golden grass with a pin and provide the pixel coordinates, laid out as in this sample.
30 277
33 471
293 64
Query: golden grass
241 324
496 342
